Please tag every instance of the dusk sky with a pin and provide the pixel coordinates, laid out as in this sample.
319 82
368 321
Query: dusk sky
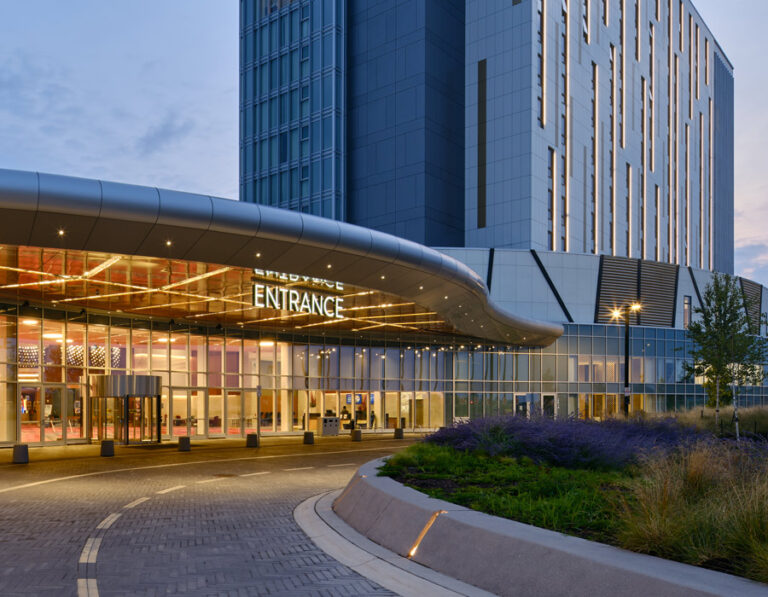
146 91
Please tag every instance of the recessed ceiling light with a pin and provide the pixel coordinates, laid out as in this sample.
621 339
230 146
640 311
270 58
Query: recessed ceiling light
329 266
421 288
61 232
258 255
168 243
29 321
383 277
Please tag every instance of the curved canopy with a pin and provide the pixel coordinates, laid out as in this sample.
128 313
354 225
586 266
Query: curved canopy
46 210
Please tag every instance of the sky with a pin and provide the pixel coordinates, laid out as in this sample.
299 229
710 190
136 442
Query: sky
146 92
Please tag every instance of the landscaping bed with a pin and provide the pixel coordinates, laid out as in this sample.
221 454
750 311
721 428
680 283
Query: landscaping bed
655 487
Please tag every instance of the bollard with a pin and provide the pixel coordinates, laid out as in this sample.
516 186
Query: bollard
252 440
107 447
21 454
184 444
357 435
309 437
399 433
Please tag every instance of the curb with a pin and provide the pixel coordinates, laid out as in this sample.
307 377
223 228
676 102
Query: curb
511 558
315 516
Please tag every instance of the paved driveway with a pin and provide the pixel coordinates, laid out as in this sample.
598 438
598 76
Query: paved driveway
214 521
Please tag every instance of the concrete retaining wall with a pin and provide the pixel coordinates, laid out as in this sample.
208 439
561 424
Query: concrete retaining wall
511 558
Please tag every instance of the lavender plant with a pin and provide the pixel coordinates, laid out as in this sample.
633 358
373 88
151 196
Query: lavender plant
570 443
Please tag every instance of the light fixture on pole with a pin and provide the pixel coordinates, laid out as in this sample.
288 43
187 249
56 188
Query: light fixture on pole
624 312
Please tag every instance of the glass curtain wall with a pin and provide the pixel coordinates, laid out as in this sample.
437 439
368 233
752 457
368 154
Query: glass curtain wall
220 383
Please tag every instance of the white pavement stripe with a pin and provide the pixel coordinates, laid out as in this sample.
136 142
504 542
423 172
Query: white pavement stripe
193 462
109 520
345 464
300 468
254 474
170 489
90 551
87 587
209 480
135 503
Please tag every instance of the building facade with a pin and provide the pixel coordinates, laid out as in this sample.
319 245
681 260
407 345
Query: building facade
355 111
599 127
585 126
106 279
293 123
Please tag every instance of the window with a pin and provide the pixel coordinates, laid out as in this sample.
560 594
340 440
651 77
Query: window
686 311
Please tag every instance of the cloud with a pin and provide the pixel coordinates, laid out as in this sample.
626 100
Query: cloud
752 261
168 131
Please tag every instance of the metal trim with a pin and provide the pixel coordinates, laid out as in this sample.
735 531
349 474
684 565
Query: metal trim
200 226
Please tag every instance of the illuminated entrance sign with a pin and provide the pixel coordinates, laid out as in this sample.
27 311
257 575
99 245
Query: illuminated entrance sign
269 296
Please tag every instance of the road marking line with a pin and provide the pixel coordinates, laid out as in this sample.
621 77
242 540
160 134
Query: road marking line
345 464
300 468
170 489
135 503
109 520
208 480
90 551
191 462
254 474
87 587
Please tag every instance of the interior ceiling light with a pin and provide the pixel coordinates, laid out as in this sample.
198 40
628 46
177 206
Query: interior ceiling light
61 232
266 343
30 321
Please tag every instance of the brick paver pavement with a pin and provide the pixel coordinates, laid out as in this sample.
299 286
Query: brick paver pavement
214 521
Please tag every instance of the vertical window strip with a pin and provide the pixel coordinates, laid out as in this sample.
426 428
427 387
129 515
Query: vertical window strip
638 39
687 195
629 210
623 67
681 26
565 210
481 142
652 93
678 238
711 186
552 198
698 53
706 61
658 10
586 23
657 197
542 63
595 160
613 129
670 120
690 67
606 14
644 166
701 190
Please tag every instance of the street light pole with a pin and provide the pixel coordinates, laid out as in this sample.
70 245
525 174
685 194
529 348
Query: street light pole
625 311
626 361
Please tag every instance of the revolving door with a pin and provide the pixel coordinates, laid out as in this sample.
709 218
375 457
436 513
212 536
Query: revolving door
125 408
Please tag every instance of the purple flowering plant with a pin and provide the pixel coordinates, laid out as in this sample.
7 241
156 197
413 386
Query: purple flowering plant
570 443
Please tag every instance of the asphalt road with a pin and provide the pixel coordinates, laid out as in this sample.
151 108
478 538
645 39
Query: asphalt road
154 521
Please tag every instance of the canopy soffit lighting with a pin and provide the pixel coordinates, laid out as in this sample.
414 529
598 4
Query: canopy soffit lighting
46 210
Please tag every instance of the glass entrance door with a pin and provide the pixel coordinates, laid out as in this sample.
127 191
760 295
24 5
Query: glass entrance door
50 414
188 412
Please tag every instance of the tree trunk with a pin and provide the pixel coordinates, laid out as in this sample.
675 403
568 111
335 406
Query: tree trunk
735 410
717 402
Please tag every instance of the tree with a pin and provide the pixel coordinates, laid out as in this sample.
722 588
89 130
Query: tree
726 346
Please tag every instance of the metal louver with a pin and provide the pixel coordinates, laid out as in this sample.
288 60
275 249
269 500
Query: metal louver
658 282
753 297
